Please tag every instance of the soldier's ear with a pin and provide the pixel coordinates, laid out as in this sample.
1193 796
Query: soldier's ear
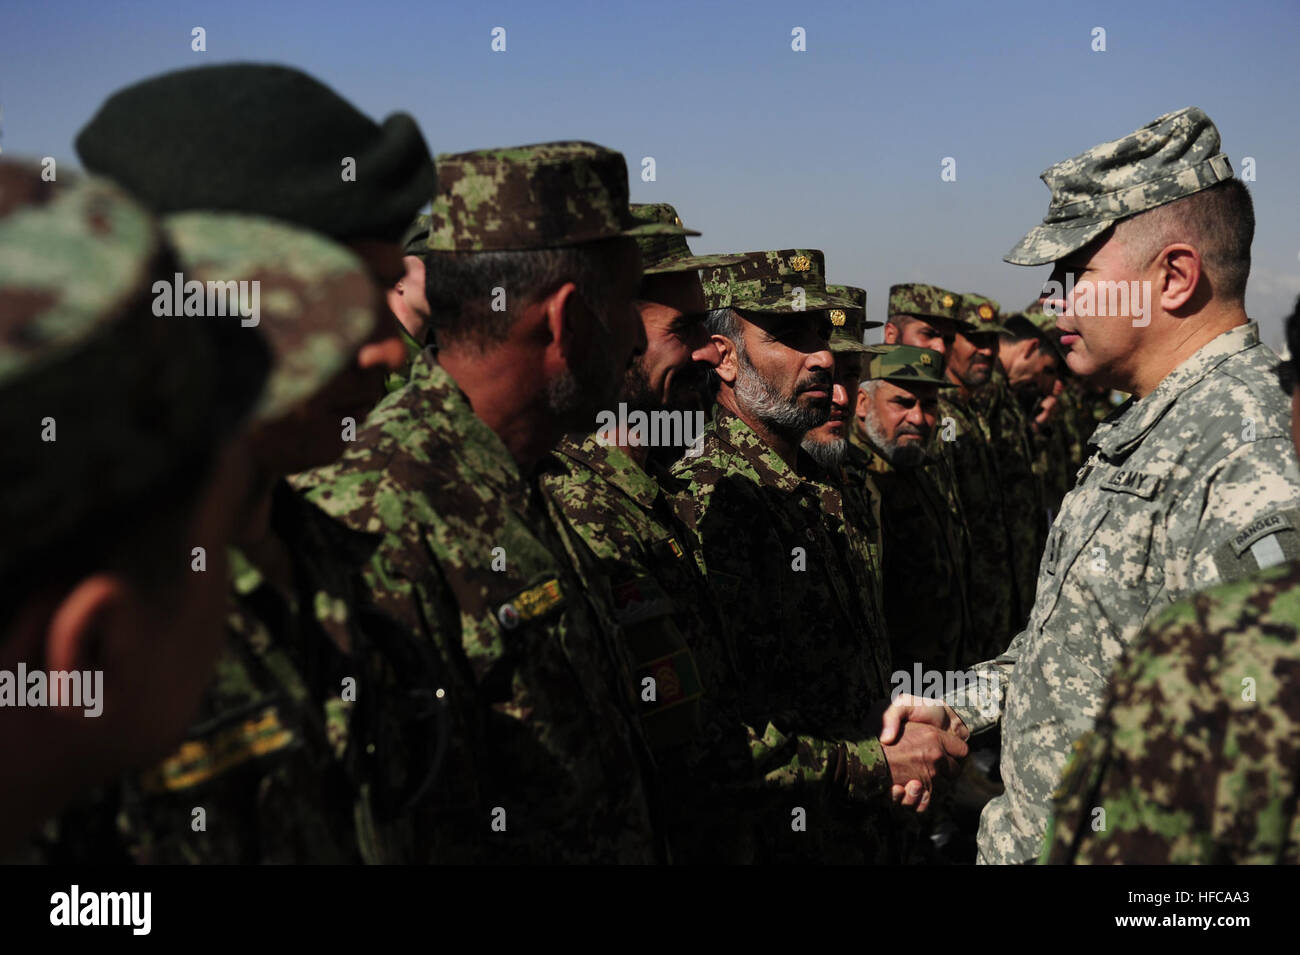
728 367
560 313
87 626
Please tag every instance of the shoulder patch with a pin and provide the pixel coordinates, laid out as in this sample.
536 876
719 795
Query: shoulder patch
1264 542
199 760
531 603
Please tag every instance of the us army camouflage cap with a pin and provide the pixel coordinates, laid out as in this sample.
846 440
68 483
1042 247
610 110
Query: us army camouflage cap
99 398
416 237
766 282
907 365
923 301
1170 157
542 196
316 301
979 314
849 324
670 253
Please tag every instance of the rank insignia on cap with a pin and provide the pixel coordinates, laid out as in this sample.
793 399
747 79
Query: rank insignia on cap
947 301
677 220
986 312
801 263
925 359
837 317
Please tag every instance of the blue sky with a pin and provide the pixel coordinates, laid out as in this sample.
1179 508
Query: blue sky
838 147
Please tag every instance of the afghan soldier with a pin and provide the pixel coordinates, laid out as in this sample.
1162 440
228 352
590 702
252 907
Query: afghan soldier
531 275
613 492
925 588
1213 683
770 545
1024 365
967 443
120 479
1192 483
839 463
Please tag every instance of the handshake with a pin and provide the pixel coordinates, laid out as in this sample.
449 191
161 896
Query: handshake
923 740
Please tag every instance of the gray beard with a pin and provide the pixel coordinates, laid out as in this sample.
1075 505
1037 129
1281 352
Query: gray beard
771 407
905 457
829 455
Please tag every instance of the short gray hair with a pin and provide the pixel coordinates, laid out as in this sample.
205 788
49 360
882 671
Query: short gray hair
461 286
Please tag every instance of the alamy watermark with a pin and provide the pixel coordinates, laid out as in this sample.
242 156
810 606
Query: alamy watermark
1101 299
979 689
212 299
651 429
83 688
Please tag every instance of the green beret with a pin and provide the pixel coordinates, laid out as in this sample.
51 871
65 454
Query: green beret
907 365
100 399
767 282
923 301
670 253
543 196
1173 156
266 140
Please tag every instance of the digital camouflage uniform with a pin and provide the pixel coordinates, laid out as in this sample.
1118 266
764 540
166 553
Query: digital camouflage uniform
1194 484
546 761
1194 757
772 546
924 559
966 440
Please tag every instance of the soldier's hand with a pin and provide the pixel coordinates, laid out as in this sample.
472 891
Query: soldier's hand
913 709
922 755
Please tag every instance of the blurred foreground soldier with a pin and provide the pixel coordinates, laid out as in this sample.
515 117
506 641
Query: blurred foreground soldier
1213 688
808 666
614 493
291 745
119 485
270 141
1024 364
924 580
1194 482
967 438
547 761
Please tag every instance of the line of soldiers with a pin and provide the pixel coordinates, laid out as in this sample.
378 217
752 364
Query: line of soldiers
527 606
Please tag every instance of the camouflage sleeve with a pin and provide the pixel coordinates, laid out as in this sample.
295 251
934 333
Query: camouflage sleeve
854 769
981 701
1247 520
1193 759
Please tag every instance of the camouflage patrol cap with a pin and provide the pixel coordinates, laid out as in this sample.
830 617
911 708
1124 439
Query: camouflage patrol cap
415 239
767 282
923 301
1033 320
848 325
543 196
907 365
126 396
1170 157
670 253
316 302
979 314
